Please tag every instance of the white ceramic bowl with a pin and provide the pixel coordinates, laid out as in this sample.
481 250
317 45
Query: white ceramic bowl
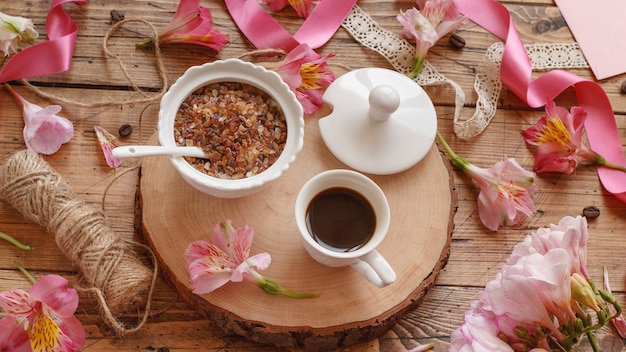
232 70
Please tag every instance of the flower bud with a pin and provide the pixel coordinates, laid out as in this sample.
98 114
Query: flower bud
502 336
578 326
602 316
607 296
582 292
522 333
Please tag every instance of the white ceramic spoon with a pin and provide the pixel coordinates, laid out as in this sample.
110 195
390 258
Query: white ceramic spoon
135 151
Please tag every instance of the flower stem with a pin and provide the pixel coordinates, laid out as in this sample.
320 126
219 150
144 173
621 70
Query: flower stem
145 43
30 277
273 288
417 67
456 160
593 342
15 242
599 160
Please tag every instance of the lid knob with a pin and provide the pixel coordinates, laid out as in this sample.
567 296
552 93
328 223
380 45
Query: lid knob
384 100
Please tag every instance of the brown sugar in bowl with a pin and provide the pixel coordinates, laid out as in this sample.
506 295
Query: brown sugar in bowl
270 145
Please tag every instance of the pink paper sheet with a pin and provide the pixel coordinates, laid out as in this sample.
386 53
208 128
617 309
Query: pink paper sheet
598 28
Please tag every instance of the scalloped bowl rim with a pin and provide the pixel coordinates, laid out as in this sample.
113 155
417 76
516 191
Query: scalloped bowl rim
232 70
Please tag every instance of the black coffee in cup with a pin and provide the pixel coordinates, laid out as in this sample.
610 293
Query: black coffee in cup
340 219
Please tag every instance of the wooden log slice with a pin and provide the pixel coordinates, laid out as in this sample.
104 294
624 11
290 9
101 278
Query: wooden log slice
349 309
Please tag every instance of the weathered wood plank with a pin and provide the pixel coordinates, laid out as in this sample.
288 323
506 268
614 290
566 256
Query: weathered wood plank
536 24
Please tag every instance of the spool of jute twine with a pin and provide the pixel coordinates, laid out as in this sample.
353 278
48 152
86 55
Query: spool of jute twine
109 267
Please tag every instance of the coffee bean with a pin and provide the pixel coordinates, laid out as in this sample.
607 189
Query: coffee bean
591 212
542 26
457 41
116 16
623 87
125 130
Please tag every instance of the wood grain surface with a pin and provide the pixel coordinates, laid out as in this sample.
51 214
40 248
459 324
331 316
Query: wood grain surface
476 254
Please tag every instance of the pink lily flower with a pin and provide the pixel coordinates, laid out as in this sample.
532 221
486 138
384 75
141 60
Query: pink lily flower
537 297
550 273
307 74
44 131
478 333
227 258
506 189
302 7
191 24
107 142
426 26
42 319
558 136
570 233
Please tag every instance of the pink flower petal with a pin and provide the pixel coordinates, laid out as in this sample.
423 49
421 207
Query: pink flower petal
12 336
209 282
260 261
17 303
72 337
242 241
107 142
52 290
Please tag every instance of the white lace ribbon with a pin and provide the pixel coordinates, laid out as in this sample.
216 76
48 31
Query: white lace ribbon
487 84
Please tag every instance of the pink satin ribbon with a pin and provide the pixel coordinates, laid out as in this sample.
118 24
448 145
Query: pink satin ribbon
516 71
51 56
264 32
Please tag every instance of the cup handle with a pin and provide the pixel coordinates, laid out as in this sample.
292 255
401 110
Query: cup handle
375 269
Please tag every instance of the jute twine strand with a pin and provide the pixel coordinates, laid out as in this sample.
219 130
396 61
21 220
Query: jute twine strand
146 98
109 267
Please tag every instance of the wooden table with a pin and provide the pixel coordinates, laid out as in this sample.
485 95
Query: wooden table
476 253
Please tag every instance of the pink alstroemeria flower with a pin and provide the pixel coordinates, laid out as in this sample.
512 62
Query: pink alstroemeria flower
42 319
302 7
307 74
558 136
44 131
433 20
227 258
506 189
191 24
107 142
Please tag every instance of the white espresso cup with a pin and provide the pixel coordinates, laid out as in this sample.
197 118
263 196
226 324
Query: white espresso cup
342 216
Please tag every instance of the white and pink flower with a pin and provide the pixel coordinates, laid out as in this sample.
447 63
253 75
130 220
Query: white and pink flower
44 131
538 297
227 258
